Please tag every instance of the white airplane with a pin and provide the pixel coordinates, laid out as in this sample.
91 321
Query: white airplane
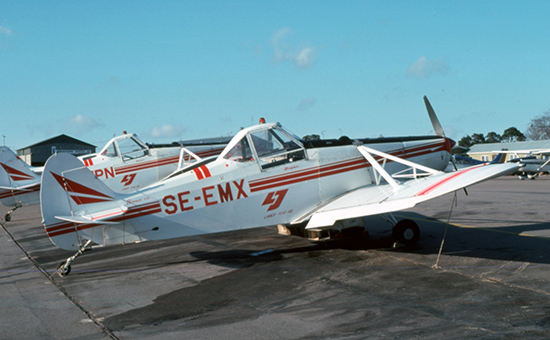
19 185
126 163
530 165
265 176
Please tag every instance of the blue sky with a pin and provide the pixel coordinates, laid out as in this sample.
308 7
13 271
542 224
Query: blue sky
171 70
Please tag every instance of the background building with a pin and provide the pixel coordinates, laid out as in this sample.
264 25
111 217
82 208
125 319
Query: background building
37 154
486 151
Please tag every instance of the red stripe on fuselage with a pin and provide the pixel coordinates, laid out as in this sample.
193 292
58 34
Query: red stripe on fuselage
161 162
338 168
62 228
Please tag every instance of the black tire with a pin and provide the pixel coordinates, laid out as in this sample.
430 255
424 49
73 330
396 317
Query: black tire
7 218
406 232
64 272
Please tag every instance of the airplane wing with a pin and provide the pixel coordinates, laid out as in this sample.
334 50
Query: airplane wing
395 196
541 152
544 152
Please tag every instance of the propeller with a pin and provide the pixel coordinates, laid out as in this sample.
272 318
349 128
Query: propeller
437 128
435 122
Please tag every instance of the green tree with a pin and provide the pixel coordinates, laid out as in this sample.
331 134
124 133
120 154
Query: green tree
492 137
312 137
512 134
478 138
466 142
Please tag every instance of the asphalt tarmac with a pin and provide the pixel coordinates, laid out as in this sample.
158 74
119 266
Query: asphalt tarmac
491 280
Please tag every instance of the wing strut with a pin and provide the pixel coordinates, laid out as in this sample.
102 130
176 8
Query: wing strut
367 153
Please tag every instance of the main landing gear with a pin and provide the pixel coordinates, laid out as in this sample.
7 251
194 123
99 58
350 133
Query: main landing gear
405 232
64 267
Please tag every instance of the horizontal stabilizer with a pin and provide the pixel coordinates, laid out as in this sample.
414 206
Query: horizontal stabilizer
28 187
82 220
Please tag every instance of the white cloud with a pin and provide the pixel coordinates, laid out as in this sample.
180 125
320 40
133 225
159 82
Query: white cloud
168 131
82 124
302 56
425 68
306 104
280 35
5 34
6 31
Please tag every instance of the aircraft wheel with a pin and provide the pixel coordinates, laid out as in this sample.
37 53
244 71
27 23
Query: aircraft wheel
406 232
62 270
7 218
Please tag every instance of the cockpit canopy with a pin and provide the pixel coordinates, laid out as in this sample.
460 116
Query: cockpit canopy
127 146
270 144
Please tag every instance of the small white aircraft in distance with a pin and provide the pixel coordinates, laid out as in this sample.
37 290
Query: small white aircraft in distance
530 165
461 162
126 163
265 176
19 185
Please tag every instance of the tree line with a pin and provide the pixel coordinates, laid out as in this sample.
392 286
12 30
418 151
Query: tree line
539 129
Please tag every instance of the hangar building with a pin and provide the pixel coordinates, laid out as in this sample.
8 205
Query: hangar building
486 151
37 154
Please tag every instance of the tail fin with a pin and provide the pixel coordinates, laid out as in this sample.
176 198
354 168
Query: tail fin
74 201
500 158
18 184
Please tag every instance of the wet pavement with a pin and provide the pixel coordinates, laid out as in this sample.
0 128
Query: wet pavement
492 279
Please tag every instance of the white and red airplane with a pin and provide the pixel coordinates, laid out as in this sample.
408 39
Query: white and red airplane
265 176
19 185
125 164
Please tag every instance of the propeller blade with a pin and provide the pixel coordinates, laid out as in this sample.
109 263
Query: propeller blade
435 122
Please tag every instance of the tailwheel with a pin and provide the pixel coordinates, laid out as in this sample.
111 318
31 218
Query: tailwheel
406 232
63 269
7 218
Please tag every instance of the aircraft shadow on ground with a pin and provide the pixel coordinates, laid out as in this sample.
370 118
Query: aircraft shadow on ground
496 243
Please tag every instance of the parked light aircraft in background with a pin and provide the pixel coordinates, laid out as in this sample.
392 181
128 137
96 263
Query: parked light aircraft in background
461 162
125 164
19 185
265 176
530 165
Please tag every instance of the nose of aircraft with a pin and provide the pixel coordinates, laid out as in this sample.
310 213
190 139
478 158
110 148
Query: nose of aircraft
449 143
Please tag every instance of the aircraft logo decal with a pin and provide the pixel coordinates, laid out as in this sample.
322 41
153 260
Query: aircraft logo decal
81 194
128 179
274 199
16 175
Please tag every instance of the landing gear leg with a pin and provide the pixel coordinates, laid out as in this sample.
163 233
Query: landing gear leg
64 268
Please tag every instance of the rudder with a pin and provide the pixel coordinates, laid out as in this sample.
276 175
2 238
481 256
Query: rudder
69 189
